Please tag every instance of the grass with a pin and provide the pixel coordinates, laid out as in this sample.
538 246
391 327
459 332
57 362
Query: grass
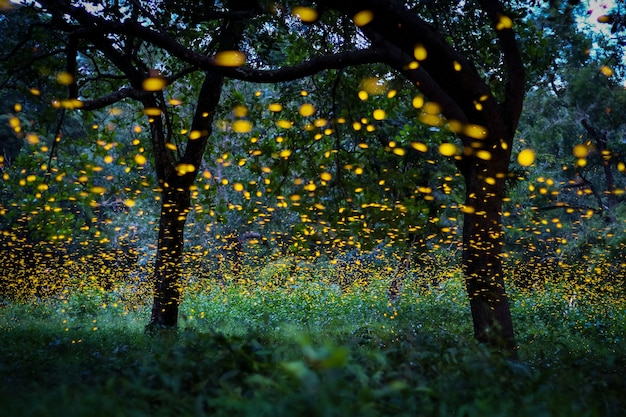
309 350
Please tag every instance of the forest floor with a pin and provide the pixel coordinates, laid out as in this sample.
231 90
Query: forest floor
310 350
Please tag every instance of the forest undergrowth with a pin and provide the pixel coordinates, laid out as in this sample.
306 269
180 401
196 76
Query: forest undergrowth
279 344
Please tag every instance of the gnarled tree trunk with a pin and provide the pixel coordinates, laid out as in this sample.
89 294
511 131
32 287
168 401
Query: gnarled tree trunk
176 202
176 183
482 251
175 205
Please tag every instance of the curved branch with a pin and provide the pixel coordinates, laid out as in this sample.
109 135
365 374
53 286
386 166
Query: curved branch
119 95
307 68
170 44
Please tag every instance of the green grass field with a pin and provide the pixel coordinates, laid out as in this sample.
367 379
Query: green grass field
309 350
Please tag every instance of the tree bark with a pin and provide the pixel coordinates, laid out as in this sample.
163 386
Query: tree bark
175 205
176 197
482 251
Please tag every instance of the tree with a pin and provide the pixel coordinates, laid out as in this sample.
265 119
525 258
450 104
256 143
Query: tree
479 101
175 168
486 127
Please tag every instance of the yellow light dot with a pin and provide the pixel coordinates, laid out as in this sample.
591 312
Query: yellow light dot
108 159
152 111
447 149
580 151
195 134
418 102
242 126
183 169
238 186
606 71
379 114
285 124
413 65
71 104
420 52
504 22
306 14
306 110
431 119
432 108
399 151
65 78
17 108
275 107
98 190
230 58
129 203
526 157
419 146
154 84
240 111
475 131
484 155
325 176
32 139
363 17
457 66
140 159
363 95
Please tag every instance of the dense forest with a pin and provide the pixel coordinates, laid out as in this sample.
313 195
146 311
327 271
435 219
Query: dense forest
380 207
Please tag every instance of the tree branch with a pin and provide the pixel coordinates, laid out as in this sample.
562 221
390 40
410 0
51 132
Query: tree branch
305 68
170 44
445 74
107 100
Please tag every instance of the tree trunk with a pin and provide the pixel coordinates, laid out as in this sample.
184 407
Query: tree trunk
176 197
175 205
482 249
